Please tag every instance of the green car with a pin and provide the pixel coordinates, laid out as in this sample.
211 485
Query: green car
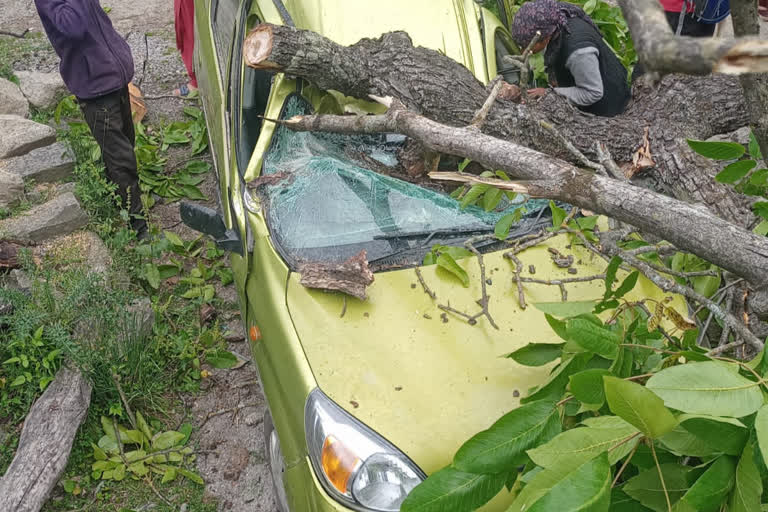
366 397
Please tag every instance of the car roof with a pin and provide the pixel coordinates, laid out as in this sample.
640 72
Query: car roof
449 26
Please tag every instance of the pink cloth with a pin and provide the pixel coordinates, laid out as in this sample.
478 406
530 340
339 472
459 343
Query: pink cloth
674 5
184 17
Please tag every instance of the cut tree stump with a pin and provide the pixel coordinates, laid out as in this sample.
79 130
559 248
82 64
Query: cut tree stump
45 443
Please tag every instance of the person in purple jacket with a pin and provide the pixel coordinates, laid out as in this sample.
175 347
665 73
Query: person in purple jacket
96 65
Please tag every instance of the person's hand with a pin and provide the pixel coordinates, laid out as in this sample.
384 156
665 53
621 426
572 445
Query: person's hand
510 92
537 92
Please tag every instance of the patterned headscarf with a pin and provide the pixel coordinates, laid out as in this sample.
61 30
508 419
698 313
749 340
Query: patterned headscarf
545 16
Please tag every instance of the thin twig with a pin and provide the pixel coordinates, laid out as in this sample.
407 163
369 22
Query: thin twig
448 309
424 286
724 348
344 307
516 277
164 96
485 299
479 119
13 34
559 282
116 379
624 465
149 481
728 307
607 161
669 285
583 160
661 476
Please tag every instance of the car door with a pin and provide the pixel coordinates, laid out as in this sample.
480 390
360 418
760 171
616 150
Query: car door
215 24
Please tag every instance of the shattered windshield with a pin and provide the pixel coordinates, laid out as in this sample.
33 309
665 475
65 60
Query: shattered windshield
329 196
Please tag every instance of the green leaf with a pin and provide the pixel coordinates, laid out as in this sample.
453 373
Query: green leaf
451 490
152 274
557 325
610 276
748 487
727 435
627 285
492 198
473 194
558 215
735 171
221 359
192 192
681 442
639 407
759 178
119 472
554 387
761 428
647 489
98 453
578 445
566 309
174 238
587 488
717 150
587 386
504 224
707 388
166 440
18 381
495 450
621 502
108 427
754 147
191 476
761 229
594 338
709 491
537 354
761 209
169 475
446 261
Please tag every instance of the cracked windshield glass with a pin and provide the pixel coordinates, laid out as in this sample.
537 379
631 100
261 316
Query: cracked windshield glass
328 196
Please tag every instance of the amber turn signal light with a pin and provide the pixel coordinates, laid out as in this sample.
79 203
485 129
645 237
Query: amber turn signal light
339 463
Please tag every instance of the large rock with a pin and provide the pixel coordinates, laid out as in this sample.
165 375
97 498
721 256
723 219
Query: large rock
44 165
81 249
20 136
11 189
11 99
57 217
42 90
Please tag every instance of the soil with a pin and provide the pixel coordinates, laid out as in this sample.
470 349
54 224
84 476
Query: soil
228 411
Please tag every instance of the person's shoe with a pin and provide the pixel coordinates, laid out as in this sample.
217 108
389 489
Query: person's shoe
139 226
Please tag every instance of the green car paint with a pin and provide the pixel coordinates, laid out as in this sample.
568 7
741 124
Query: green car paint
423 382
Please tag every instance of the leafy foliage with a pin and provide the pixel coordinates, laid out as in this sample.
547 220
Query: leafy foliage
742 173
630 418
136 452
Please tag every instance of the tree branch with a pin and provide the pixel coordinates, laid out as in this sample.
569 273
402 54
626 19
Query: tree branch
660 50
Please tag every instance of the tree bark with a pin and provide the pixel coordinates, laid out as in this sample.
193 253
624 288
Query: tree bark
434 85
690 227
45 443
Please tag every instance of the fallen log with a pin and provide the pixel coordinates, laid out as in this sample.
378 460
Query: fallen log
45 443
431 84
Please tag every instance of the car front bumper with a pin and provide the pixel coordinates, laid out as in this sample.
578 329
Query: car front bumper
305 493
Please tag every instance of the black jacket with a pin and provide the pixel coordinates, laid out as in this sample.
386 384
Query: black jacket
580 34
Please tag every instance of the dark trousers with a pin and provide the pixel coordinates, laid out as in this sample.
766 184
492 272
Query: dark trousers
111 123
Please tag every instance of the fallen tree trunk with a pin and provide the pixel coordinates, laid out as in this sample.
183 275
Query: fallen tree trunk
433 85
45 443
687 226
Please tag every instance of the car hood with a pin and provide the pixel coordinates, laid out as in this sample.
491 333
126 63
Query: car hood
445 25
424 379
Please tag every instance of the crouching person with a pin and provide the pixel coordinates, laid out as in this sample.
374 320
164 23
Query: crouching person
96 65
580 64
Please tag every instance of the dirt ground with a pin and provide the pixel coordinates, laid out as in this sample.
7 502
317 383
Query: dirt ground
228 411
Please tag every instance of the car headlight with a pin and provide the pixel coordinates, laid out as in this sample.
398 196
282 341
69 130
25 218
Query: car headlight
356 466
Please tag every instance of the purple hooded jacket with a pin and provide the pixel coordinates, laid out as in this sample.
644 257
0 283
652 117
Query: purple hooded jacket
95 59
